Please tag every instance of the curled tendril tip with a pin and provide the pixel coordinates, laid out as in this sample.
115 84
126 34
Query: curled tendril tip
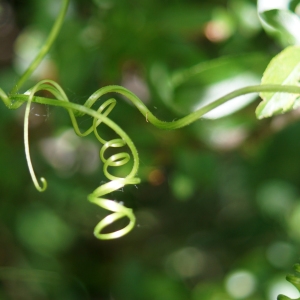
26 146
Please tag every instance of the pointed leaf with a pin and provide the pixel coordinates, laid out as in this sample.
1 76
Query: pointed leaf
283 69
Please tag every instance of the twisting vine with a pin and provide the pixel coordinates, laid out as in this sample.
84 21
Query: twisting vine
116 160
99 116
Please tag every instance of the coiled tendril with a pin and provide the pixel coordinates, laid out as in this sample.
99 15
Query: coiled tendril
14 100
115 160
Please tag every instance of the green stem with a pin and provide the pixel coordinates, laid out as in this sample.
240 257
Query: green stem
148 115
27 152
115 160
45 49
88 111
101 116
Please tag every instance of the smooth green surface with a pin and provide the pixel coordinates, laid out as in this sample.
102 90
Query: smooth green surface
283 69
281 20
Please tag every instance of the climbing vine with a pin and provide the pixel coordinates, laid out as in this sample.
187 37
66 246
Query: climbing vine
280 93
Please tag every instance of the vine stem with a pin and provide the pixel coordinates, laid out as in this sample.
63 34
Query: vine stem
27 152
45 49
99 116
147 113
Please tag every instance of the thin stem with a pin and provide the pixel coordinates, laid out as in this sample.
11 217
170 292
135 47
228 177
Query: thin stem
115 160
85 110
5 98
45 49
145 111
27 152
101 116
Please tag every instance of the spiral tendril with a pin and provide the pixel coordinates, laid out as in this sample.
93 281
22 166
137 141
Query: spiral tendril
115 160
99 116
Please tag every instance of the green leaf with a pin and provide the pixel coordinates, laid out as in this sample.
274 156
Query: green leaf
283 69
295 280
283 25
280 21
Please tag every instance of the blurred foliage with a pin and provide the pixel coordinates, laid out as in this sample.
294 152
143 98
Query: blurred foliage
218 211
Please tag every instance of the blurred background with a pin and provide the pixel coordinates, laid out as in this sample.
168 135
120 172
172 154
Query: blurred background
218 208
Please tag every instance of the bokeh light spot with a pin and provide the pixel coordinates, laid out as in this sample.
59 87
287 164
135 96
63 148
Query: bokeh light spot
43 231
156 177
240 284
186 263
280 254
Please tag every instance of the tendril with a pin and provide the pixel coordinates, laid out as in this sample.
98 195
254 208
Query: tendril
101 116
26 146
46 47
116 160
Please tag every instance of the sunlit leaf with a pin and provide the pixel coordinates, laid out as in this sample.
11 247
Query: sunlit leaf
279 21
283 69
284 25
295 280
